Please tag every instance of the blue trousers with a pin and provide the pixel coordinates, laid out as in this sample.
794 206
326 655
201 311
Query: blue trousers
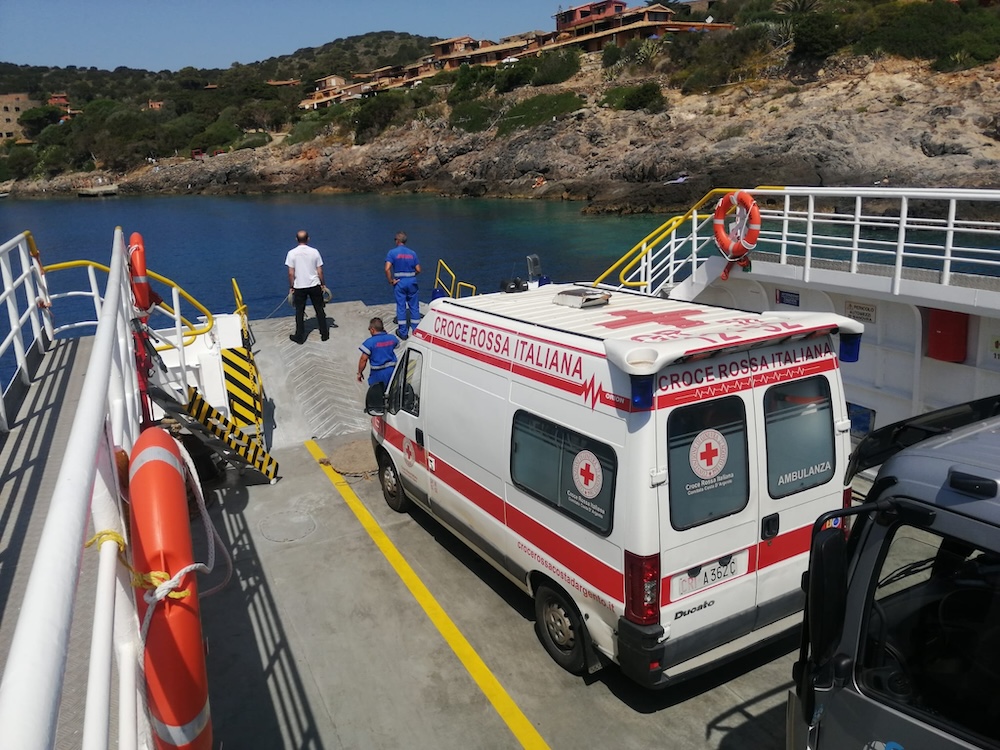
407 305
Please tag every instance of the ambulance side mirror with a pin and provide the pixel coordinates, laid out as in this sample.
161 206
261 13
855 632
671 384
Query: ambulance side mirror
375 400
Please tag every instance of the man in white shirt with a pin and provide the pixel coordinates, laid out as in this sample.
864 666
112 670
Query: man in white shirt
305 280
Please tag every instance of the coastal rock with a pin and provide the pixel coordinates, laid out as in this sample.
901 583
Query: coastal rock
858 121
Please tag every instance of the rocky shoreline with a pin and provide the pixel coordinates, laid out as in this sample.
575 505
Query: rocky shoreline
857 122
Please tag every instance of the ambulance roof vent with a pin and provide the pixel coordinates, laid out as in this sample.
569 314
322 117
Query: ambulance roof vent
582 298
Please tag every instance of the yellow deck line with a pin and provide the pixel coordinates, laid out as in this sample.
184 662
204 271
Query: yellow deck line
518 723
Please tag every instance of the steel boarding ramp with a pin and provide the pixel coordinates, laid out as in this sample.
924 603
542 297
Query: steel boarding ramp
221 434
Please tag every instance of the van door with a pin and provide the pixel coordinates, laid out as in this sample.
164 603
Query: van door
800 461
708 523
404 424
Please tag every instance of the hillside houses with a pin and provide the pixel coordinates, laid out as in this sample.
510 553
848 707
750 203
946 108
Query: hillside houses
589 27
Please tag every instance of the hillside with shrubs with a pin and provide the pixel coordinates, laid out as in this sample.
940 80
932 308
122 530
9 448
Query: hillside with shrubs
561 125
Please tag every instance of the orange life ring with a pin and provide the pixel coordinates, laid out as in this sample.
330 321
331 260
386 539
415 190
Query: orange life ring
137 272
743 237
176 676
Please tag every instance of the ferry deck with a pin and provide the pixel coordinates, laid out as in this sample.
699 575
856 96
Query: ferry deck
345 624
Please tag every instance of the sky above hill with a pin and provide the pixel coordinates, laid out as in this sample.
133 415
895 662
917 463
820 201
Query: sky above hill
172 34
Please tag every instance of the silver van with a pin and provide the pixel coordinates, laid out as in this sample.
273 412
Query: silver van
901 636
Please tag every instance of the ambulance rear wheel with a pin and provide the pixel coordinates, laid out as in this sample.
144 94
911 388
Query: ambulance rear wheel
560 628
392 490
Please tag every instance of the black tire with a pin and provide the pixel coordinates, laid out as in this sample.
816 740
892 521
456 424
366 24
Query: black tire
392 490
560 628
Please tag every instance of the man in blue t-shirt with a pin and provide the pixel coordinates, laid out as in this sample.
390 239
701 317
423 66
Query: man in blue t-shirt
378 350
401 269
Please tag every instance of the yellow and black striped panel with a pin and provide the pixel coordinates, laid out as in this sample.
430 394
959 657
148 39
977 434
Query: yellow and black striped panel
226 430
244 390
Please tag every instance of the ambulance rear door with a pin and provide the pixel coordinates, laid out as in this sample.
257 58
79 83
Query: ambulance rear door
801 462
709 521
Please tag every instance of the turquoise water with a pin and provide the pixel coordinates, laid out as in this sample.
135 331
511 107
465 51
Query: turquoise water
201 242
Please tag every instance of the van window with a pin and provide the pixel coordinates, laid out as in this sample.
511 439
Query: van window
569 471
404 391
932 636
798 426
707 461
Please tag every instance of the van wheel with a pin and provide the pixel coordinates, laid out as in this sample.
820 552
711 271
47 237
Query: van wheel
560 628
392 490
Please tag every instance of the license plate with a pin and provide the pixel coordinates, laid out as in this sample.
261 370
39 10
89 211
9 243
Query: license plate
710 574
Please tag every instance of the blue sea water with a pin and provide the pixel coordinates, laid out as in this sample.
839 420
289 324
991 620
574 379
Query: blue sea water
201 242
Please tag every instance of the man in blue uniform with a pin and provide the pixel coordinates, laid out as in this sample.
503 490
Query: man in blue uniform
401 269
305 281
379 350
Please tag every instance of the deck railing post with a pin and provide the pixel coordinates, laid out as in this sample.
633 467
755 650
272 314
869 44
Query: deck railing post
856 234
949 242
14 318
897 274
807 253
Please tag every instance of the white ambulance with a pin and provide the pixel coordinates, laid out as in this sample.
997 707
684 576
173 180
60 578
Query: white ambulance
648 470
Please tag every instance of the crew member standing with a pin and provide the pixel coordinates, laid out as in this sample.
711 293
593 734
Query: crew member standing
305 279
378 350
401 269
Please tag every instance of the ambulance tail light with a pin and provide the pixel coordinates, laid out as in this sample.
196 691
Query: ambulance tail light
642 588
848 498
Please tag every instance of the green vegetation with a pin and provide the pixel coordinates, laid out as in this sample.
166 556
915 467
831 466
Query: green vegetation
474 116
647 96
556 66
536 110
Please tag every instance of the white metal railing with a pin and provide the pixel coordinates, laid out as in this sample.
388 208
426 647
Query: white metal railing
24 298
87 486
939 230
108 419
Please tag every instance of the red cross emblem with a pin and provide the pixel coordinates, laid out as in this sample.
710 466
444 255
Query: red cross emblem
708 453
673 319
586 474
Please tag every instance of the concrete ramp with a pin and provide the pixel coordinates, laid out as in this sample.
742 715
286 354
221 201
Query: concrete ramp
311 390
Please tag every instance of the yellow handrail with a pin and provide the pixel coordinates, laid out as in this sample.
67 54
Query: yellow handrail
439 284
189 336
651 241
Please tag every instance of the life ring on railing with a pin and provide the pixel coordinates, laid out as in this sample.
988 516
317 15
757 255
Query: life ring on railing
137 272
176 675
736 243
746 229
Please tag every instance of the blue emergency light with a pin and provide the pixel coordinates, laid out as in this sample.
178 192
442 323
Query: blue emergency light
642 391
850 347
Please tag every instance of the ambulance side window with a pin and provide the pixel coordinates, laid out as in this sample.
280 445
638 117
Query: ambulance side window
798 424
571 472
404 391
707 462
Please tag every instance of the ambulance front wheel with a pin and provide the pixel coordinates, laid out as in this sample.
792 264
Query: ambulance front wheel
392 490
560 628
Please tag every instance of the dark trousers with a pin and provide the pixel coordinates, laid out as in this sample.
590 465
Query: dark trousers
315 295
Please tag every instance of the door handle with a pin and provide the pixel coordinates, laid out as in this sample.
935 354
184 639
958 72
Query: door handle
769 526
420 437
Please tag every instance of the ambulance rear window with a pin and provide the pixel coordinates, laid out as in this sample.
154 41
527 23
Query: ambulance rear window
571 472
798 423
707 462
